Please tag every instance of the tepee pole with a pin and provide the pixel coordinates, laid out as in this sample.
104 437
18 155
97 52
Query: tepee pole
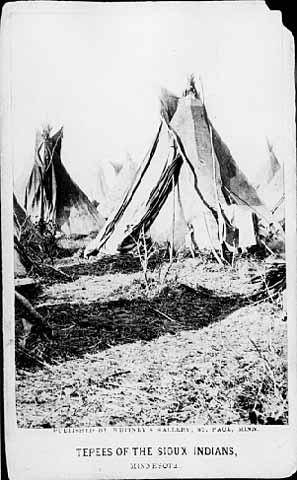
173 221
221 223
219 260
201 90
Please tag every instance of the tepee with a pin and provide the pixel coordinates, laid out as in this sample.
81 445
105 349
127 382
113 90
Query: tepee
52 196
272 189
107 174
188 184
123 181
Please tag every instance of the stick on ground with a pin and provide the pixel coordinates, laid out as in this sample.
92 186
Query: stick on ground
35 317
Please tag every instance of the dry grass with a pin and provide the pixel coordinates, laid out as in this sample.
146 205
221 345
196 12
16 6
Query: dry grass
125 351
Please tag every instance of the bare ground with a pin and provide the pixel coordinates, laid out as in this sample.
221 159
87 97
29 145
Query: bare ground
189 348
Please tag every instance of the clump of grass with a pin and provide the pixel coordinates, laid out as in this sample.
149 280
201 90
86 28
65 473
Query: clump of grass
263 396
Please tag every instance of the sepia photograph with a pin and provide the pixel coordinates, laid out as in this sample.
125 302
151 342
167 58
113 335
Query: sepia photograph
148 168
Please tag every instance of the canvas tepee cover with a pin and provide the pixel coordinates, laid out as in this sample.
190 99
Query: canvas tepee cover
272 189
186 184
52 196
107 175
123 181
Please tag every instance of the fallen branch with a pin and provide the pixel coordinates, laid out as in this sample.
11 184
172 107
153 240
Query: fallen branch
55 269
34 358
164 315
35 317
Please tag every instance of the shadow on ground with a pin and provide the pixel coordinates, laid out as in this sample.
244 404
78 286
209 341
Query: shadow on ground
88 328
111 264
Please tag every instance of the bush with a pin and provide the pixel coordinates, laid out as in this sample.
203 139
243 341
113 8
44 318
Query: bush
39 242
